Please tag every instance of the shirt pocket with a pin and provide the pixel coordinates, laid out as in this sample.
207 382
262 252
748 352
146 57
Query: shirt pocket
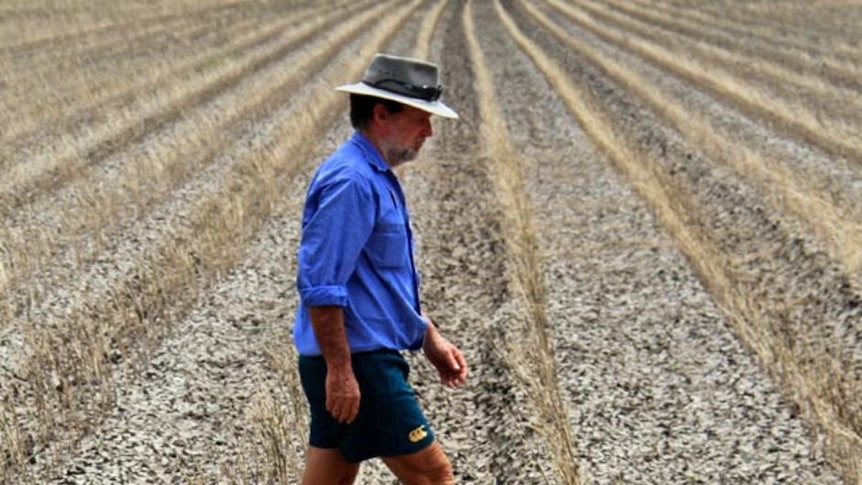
387 247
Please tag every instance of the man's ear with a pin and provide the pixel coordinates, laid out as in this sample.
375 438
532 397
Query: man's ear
380 113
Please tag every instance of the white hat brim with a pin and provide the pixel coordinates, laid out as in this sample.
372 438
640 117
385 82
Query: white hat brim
433 107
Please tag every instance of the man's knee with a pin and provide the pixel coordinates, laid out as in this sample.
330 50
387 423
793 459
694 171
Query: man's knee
429 466
441 474
327 466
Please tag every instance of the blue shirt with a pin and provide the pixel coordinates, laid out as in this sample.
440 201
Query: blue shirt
356 252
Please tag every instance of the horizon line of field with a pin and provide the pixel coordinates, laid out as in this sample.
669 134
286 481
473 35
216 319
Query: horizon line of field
832 135
218 236
144 182
709 262
116 101
835 220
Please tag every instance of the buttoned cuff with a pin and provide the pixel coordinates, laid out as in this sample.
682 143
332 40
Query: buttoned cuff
324 296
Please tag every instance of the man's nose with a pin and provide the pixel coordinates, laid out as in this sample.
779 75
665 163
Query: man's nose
428 130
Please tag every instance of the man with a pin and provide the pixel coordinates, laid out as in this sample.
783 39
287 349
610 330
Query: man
359 289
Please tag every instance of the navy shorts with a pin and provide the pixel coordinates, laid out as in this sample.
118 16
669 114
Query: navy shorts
390 421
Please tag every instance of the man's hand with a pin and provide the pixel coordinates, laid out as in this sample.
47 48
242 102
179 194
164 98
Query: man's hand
342 390
342 395
445 357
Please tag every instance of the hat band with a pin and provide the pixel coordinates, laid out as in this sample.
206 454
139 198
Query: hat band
427 93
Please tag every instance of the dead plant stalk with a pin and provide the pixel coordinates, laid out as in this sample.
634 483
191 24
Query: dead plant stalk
535 369
834 136
96 208
840 226
165 282
679 214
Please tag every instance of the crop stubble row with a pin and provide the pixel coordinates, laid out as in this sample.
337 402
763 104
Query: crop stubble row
182 411
108 103
804 120
788 301
91 23
528 341
207 237
821 194
107 67
785 22
652 186
844 73
800 83
101 203
142 108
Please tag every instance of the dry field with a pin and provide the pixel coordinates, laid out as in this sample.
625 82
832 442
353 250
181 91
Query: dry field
645 233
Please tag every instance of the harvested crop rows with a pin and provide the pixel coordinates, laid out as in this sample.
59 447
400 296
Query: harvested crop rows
644 233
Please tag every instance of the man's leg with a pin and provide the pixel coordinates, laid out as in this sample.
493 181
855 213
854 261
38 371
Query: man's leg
428 466
324 466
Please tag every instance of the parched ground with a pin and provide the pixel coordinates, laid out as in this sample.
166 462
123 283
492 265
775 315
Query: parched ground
691 301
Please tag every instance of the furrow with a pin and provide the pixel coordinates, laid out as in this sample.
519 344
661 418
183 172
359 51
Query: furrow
70 229
786 303
835 219
800 86
660 391
771 59
116 40
40 300
528 346
70 159
65 40
462 259
781 37
127 57
789 23
426 31
835 136
61 114
159 286
199 405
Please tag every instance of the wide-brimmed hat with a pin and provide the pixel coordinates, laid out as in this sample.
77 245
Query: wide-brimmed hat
408 81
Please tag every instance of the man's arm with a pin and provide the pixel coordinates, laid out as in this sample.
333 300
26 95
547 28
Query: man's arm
445 357
342 390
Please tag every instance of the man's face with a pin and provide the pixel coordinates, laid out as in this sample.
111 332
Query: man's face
403 134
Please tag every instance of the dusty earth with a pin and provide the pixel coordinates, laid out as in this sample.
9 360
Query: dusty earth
657 386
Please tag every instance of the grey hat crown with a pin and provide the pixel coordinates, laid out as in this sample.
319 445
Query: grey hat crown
405 76
407 81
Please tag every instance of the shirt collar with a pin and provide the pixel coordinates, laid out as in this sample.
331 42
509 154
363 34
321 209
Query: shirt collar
371 154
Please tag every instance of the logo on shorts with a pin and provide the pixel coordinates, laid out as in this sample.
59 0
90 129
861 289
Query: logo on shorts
418 434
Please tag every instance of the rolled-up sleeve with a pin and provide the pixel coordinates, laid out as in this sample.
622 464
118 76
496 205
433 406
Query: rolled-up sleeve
336 226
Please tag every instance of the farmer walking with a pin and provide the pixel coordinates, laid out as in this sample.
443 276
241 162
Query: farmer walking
359 289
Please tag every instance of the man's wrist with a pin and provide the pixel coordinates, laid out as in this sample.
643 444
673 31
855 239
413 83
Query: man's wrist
340 368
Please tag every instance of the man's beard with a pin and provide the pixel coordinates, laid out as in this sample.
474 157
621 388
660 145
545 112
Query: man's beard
397 156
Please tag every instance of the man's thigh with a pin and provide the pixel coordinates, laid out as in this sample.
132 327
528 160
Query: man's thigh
327 465
390 420
426 466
